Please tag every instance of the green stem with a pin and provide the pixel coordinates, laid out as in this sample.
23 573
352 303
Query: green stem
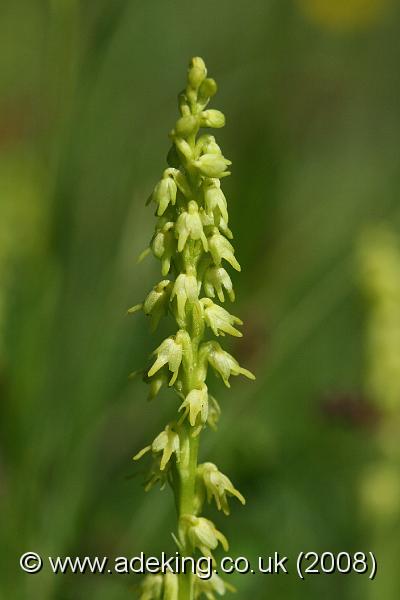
186 469
187 466
189 445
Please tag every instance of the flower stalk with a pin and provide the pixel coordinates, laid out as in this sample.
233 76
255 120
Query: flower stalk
191 242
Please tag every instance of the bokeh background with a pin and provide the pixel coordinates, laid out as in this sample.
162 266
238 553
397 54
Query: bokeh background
311 93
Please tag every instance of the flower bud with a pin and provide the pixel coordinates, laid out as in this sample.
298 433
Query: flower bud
183 104
212 165
212 147
183 147
206 144
208 89
185 126
197 72
212 118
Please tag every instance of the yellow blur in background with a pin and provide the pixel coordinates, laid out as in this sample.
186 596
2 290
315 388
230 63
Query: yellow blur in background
342 15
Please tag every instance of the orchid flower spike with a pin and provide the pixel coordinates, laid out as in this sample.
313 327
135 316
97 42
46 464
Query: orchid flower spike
192 242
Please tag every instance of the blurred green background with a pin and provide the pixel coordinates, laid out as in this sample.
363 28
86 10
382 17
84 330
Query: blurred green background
88 94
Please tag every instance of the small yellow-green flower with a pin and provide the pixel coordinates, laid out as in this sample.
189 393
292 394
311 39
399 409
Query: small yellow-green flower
151 587
222 249
171 586
195 406
219 319
170 352
215 200
214 412
211 588
156 303
189 225
165 193
212 165
216 280
217 486
163 244
159 587
156 382
202 534
184 289
166 442
223 363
